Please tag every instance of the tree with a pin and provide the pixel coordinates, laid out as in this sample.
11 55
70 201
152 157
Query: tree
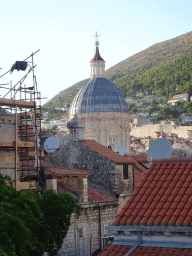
57 210
154 103
20 218
68 105
32 224
133 110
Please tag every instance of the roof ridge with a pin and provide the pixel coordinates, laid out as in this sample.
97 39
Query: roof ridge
104 151
94 195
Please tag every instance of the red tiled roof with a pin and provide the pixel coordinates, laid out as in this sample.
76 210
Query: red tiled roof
162 197
119 250
94 195
136 162
52 172
188 143
139 169
174 119
141 158
104 151
138 176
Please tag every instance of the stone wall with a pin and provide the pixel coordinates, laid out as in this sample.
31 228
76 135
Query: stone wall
182 131
124 186
148 130
122 201
103 170
83 236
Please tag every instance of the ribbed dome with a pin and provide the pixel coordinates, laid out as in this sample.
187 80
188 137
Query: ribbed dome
99 95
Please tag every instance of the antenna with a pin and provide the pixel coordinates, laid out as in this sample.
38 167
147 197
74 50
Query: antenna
121 150
51 144
159 149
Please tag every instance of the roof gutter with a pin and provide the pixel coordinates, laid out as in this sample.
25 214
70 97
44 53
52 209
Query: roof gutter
116 228
135 247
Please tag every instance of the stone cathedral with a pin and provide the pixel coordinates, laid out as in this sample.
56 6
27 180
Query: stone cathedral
102 108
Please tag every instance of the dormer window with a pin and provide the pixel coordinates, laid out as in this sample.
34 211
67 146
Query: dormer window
125 172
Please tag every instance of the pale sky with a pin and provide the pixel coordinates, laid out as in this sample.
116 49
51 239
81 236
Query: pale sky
64 31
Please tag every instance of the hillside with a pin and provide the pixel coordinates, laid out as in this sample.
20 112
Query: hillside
155 55
163 67
62 98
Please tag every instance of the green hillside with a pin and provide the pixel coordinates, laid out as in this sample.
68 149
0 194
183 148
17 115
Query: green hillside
62 99
163 79
163 67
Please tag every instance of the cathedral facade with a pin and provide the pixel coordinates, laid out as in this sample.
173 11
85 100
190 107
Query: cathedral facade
102 108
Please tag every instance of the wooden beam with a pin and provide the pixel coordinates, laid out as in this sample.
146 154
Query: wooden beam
25 144
18 103
40 153
20 144
16 149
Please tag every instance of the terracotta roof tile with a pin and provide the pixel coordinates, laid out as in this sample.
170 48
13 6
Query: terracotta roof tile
104 151
140 158
117 250
163 200
51 171
94 195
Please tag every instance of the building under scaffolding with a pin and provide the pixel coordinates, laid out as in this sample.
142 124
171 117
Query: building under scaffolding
20 126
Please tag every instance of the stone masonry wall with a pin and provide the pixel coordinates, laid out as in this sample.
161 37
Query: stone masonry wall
148 130
124 186
83 236
102 169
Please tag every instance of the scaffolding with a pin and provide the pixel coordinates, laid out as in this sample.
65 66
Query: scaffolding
24 105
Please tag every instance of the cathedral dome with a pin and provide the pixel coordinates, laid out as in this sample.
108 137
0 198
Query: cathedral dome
99 95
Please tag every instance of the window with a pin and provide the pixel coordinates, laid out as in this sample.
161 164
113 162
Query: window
81 232
74 134
112 143
125 172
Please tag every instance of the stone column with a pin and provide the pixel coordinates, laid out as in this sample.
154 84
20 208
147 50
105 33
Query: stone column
51 184
83 190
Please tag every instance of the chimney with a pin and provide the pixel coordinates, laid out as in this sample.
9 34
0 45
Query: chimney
83 190
75 126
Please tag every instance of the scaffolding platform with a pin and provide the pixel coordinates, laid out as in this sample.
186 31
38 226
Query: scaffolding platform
18 103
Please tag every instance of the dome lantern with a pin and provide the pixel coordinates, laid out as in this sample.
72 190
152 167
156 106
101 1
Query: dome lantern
97 63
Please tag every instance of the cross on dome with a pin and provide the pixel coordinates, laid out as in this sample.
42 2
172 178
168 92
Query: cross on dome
97 39
97 63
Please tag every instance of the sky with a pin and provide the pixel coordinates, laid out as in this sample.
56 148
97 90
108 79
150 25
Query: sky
64 32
